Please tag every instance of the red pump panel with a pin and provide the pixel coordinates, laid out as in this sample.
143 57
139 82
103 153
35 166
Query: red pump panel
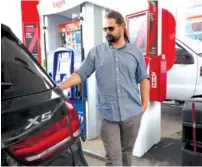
160 64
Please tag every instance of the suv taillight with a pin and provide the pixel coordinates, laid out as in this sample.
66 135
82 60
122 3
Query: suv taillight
54 139
73 115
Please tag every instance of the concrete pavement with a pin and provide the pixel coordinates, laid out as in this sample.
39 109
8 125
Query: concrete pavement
167 152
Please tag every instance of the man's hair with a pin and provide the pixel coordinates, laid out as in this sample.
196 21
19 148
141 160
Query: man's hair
119 20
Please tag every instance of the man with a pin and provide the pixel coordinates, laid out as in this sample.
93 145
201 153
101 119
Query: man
119 67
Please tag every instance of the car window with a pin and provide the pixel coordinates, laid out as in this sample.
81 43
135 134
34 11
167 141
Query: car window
20 74
182 55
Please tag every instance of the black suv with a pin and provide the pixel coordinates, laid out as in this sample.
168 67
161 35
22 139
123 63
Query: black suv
39 125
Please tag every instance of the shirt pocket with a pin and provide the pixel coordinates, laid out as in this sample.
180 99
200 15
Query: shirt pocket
128 66
99 62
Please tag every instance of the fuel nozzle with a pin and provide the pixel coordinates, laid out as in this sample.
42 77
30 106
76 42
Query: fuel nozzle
78 93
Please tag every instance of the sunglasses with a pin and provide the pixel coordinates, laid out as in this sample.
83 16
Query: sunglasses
109 29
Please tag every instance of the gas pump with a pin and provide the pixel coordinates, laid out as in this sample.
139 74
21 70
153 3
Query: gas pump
63 60
89 15
160 50
63 67
153 32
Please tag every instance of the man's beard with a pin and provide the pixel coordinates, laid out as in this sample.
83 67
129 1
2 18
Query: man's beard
112 39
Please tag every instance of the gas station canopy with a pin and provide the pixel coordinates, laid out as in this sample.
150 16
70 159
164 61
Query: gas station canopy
58 6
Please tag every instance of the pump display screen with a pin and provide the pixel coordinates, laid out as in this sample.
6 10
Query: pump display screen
64 66
65 55
137 30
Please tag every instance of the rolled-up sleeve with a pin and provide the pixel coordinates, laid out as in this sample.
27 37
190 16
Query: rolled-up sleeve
88 65
141 72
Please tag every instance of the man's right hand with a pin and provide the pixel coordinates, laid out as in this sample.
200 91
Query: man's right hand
73 80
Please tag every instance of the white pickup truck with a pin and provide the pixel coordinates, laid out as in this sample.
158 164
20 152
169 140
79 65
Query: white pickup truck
184 79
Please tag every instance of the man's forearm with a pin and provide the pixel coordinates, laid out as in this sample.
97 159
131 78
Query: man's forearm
73 80
145 90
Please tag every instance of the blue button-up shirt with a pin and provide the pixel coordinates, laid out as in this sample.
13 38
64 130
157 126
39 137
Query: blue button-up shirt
118 72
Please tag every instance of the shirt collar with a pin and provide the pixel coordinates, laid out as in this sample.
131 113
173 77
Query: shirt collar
112 47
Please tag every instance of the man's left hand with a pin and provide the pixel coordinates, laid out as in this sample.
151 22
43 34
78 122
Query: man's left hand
144 108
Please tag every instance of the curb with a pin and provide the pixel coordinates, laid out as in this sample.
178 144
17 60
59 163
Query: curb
94 155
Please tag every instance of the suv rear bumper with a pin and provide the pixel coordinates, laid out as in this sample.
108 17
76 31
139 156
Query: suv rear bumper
73 156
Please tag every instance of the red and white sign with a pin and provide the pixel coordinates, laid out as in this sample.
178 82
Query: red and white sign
153 79
58 3
48 7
